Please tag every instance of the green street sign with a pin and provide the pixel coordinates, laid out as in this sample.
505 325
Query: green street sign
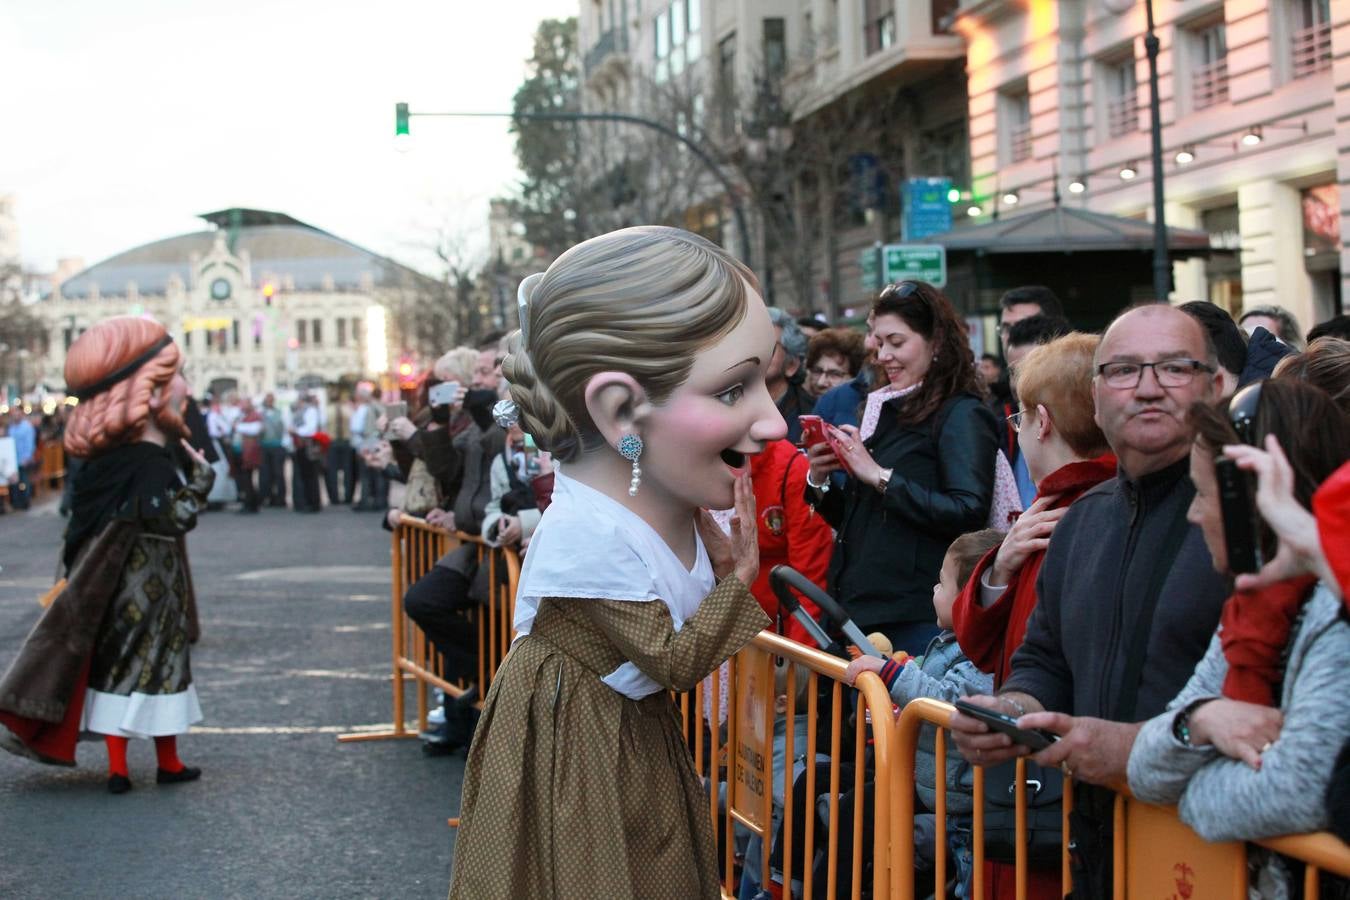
915 262
871 277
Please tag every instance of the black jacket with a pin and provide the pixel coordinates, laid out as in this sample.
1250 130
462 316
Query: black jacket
888 549
1099 563
1264 350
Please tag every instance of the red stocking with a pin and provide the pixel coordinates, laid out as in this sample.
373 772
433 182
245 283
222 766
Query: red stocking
117 754
166 751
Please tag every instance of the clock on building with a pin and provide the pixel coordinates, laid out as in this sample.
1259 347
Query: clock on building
220 289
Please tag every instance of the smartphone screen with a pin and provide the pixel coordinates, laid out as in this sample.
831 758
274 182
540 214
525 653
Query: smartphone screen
444 393
1035 738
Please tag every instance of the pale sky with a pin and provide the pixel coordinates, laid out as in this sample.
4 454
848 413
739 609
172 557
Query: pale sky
123 120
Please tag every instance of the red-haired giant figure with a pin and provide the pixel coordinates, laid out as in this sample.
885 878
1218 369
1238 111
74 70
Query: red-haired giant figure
109 657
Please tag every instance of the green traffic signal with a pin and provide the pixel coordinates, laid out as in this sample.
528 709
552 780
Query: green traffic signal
954 195
400 119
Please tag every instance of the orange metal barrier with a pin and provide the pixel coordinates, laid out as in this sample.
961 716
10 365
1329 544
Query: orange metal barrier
1156 855
735 760
416 546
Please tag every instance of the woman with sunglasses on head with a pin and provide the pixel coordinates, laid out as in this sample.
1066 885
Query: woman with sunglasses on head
1246 749
921 467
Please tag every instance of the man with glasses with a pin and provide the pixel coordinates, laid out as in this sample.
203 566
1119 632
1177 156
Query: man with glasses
1127 599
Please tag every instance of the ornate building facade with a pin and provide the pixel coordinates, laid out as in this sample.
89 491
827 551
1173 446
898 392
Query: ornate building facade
261 301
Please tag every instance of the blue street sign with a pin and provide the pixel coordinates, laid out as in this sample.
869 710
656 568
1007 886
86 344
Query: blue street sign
927 210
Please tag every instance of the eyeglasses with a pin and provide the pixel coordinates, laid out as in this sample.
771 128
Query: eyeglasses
1015 420
818 372
1171 373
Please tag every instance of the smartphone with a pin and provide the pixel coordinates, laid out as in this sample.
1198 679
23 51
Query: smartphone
813 431
1035 738
444 393
1241 529
394 411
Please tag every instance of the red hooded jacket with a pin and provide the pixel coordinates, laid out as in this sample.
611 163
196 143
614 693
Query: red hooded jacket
989 635
790 532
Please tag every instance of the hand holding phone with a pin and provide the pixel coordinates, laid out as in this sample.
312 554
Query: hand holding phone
813 431
1035 738
443 394
1237 504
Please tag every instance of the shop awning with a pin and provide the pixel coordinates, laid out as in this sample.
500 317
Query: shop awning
1063 230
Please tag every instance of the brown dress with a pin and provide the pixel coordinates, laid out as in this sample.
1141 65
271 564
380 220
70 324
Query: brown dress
573 790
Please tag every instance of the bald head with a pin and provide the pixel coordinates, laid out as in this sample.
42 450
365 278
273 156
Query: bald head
1162 320
1146 423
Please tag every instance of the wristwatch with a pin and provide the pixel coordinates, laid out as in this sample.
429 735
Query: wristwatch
1181 725
883 480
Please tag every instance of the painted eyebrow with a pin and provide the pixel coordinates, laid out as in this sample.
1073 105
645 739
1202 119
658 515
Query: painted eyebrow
748 359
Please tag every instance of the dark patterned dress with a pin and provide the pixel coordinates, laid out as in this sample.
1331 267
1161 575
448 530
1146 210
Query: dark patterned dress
140 677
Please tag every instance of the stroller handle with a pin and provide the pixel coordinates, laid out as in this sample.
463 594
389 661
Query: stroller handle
785 579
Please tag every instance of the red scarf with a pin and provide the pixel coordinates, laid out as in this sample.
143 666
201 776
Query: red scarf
1256 629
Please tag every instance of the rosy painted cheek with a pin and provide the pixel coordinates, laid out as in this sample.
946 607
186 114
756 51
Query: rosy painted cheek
701 427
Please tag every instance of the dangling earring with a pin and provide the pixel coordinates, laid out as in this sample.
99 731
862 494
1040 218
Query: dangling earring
630 448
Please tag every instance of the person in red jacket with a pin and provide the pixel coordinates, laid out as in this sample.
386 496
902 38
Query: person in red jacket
790 532
1066 455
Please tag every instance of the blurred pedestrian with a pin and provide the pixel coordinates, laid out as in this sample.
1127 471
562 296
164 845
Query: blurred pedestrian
25 451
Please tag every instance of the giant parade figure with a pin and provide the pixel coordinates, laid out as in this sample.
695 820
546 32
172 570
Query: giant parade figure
641 370
109 656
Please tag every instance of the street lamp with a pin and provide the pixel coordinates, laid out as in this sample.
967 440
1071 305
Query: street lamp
402 114
1162 266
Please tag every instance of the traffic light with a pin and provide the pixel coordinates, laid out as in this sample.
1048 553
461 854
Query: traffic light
401 135
268 290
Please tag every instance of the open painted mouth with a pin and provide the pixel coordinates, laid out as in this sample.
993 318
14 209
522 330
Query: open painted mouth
734 458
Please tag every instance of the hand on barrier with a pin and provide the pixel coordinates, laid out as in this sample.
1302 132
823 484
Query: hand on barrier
1029 534
394 516
980 744
508 530
1236 729
1088 749
442 518
738 553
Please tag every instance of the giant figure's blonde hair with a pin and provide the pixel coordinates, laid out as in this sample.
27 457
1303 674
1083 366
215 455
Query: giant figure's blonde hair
119 414
642 301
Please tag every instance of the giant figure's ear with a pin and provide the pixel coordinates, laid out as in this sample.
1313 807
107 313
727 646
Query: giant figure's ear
617 404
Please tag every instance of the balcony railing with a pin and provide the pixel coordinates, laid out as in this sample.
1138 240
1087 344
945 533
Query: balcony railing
615 40
1122 115
1019 142
1312 49
1210 84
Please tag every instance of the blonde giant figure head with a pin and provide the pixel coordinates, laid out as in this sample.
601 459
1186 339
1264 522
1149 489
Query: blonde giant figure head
125 371
656 332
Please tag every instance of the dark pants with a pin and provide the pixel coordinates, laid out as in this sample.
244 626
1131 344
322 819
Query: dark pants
73 466
272 476
248 491
21 491
305 482
374 487
340 473
439 603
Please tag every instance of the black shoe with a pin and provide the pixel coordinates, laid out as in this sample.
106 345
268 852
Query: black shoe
118 784
446 749
187 773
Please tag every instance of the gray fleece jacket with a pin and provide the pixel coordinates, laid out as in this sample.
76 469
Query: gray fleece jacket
1224 799
942 673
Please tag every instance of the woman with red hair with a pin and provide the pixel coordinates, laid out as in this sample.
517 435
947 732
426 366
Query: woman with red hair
110 654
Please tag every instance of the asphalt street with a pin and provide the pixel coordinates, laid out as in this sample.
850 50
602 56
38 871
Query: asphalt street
294 650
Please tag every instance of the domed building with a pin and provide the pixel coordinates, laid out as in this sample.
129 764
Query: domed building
261 301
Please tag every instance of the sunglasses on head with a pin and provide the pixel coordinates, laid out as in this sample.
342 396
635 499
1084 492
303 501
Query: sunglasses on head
899 290
1242 411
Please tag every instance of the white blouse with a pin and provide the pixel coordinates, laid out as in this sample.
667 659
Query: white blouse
589 546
